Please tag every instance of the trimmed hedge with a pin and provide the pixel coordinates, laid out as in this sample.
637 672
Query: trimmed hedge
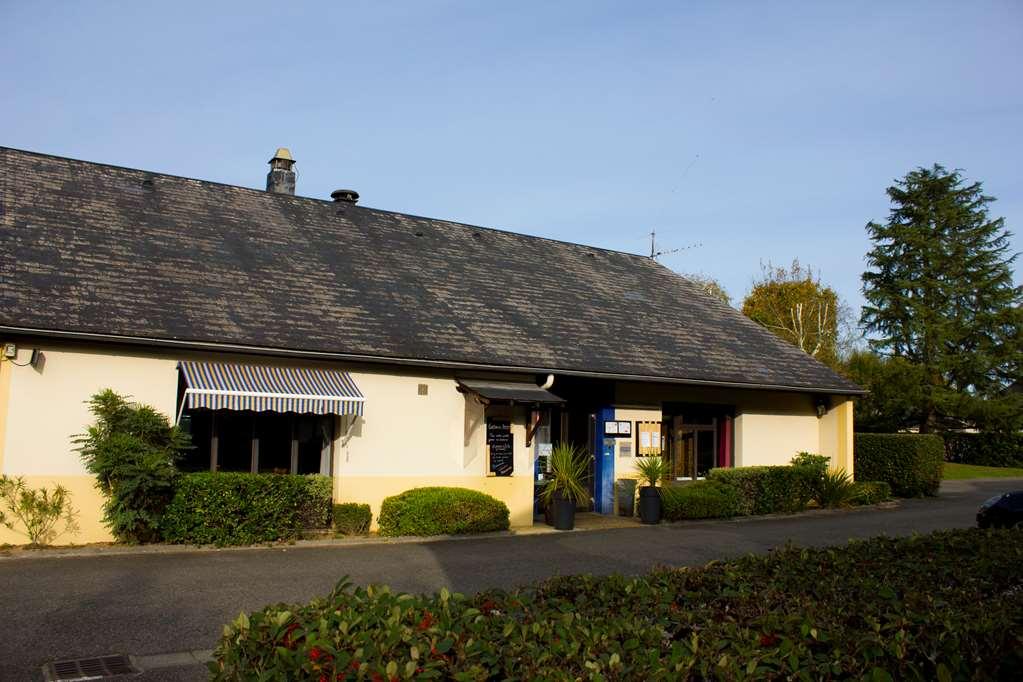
984 449
770 489
938 607
909 462
441 511
222 508
870 492
315 509
352 518
699 500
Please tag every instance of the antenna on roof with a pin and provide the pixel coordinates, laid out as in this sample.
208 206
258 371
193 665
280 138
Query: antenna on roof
655 254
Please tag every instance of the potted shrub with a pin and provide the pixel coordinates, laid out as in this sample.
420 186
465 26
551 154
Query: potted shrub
651 470
566 486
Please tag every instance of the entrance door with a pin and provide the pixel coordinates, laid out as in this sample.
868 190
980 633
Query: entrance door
692 448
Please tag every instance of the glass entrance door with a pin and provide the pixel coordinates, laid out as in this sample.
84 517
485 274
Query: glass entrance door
692 448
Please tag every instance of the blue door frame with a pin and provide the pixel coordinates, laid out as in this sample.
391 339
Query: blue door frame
603 465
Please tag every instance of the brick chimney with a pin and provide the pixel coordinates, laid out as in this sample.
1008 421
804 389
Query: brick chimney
281 179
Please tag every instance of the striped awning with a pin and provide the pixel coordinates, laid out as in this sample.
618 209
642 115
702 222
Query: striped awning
220 386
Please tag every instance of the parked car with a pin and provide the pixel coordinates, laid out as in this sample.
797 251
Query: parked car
1002 511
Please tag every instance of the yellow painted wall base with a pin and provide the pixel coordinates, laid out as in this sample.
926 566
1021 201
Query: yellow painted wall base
85 498
514 491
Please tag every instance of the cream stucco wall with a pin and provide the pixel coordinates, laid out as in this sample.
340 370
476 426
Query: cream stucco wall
404 439
47 408
773 438
836 434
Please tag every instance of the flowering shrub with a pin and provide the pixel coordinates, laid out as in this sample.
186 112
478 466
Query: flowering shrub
939 607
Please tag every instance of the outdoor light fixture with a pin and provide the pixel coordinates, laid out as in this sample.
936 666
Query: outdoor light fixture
822 405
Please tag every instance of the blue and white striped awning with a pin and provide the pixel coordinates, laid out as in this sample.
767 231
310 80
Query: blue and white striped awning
220 386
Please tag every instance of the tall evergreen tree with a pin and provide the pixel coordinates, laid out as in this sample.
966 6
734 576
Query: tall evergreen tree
940 294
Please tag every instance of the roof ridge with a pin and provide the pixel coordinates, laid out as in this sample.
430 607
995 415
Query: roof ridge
294 197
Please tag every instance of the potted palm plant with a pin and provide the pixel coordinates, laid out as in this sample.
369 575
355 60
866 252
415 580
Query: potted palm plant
651 471
568 468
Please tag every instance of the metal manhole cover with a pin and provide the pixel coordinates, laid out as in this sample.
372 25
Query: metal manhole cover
80 669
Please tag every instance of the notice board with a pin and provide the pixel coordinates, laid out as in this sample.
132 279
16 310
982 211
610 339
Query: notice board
500 447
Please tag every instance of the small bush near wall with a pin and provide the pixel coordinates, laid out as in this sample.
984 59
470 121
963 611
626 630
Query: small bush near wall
441 511
699 500
984 449
864 611
909 462
240 509
870 492
770 489
315 510
351 518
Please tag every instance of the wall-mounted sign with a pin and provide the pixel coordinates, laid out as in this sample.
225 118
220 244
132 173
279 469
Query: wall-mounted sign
618 429
649 438
501 447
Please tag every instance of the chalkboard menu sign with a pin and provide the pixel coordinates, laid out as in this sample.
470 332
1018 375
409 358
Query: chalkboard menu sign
502 450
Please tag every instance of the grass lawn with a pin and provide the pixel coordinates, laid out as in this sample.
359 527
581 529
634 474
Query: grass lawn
958 472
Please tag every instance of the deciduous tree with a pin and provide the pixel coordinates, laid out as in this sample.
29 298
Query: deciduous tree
793 304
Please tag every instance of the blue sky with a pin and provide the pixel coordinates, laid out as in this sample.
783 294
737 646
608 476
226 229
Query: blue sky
761 131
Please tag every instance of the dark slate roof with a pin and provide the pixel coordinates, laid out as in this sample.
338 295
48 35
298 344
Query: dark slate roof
92 248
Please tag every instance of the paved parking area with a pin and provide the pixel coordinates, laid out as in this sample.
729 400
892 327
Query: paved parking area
150 604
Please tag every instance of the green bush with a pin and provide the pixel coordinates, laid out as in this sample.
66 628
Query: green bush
939 607
810 459
352 518
240 509
441 511
38 512
870 492
835 489
698 500
316 506
909 462
770 489
984 449
131 450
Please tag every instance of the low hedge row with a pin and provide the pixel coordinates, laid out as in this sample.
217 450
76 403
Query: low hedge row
352 518
984 449
909 462
699 500
224 508
441 511
939 607
769 489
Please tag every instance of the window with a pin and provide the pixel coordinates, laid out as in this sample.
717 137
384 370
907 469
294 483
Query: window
267 442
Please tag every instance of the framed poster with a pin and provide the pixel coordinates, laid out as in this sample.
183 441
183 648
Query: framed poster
611 428
501 447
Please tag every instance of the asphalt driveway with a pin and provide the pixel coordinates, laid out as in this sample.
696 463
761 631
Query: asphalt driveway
52 608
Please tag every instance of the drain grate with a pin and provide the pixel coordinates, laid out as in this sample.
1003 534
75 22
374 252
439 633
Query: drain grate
81 669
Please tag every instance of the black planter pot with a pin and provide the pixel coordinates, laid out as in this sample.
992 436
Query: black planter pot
563 512
649 505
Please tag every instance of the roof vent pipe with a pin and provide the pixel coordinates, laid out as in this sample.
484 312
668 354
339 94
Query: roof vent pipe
347 196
